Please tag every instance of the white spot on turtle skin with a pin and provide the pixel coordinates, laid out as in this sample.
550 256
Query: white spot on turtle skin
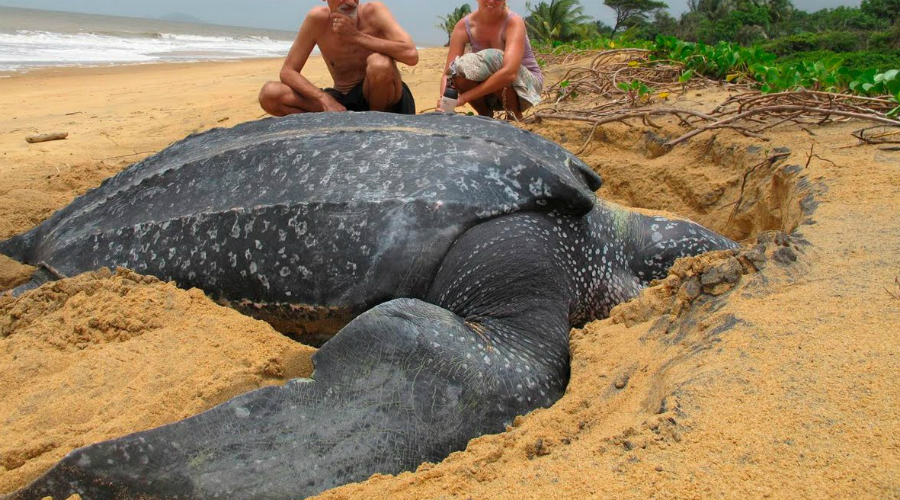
84 461
253 268
258 245
299 226
241 412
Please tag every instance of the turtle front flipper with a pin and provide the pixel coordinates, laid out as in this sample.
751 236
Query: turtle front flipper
404 383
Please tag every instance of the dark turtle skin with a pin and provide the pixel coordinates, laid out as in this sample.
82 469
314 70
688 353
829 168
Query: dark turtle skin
452 253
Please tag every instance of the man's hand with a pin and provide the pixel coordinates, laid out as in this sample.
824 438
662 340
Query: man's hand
330 103
343 26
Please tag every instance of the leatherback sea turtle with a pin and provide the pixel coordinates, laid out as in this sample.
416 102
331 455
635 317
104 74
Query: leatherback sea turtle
463 249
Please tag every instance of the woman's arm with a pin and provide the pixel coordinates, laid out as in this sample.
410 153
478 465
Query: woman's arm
458 40
513 52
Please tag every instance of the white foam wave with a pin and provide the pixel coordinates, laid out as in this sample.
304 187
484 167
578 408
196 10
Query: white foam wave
30 49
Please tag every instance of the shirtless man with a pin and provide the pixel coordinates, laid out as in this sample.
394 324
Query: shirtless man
360 45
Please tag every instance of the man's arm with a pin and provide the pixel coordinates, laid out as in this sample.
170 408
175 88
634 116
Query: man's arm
397 43
296 59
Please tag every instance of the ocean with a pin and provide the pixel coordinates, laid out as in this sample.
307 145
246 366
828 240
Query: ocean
32 39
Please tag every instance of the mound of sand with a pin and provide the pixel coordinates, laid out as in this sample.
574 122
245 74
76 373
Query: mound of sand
101 355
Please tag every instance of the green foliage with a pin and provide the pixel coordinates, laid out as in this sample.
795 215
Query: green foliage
560 20
597 43
886 40
845 49
660 24
448 22
819 75
632 12
857 61
746 26
839 19
882 9
834 41
731 62
635 90
716 61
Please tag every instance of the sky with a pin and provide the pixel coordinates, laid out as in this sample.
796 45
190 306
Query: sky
418 17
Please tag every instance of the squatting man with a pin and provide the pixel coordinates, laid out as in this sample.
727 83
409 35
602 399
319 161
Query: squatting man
361 44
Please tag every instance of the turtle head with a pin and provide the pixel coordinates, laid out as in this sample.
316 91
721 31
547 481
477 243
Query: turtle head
657 242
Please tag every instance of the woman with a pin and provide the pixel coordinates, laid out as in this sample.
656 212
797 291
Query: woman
501 73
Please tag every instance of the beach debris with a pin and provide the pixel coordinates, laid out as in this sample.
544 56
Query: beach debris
104 134
54 136
749 113
619 86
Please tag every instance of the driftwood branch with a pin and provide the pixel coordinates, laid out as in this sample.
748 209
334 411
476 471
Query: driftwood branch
891 137
54 136
770 110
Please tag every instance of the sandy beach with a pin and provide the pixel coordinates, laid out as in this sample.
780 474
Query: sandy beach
777 382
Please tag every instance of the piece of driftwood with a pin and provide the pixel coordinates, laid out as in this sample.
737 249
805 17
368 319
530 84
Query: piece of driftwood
55 136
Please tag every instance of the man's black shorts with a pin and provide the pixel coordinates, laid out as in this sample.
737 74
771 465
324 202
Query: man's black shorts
356 101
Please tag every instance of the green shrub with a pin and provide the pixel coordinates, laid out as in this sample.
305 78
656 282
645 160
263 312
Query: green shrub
886 40
746 26
834 41
856 61
822 70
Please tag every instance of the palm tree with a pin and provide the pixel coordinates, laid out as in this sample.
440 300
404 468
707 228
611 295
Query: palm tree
779 10
712 10
558 20
449 21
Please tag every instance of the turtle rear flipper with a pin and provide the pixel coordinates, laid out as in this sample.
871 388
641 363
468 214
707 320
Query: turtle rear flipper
44 274
404 383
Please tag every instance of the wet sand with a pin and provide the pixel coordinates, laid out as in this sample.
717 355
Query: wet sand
775 381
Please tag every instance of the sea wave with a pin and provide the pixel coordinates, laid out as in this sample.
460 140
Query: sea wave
27 49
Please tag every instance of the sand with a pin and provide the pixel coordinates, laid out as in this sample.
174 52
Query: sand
767 373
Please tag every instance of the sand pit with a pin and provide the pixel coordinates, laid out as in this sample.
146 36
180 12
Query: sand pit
762 374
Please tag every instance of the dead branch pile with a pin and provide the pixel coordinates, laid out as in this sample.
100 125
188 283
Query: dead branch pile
749 113
608 68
